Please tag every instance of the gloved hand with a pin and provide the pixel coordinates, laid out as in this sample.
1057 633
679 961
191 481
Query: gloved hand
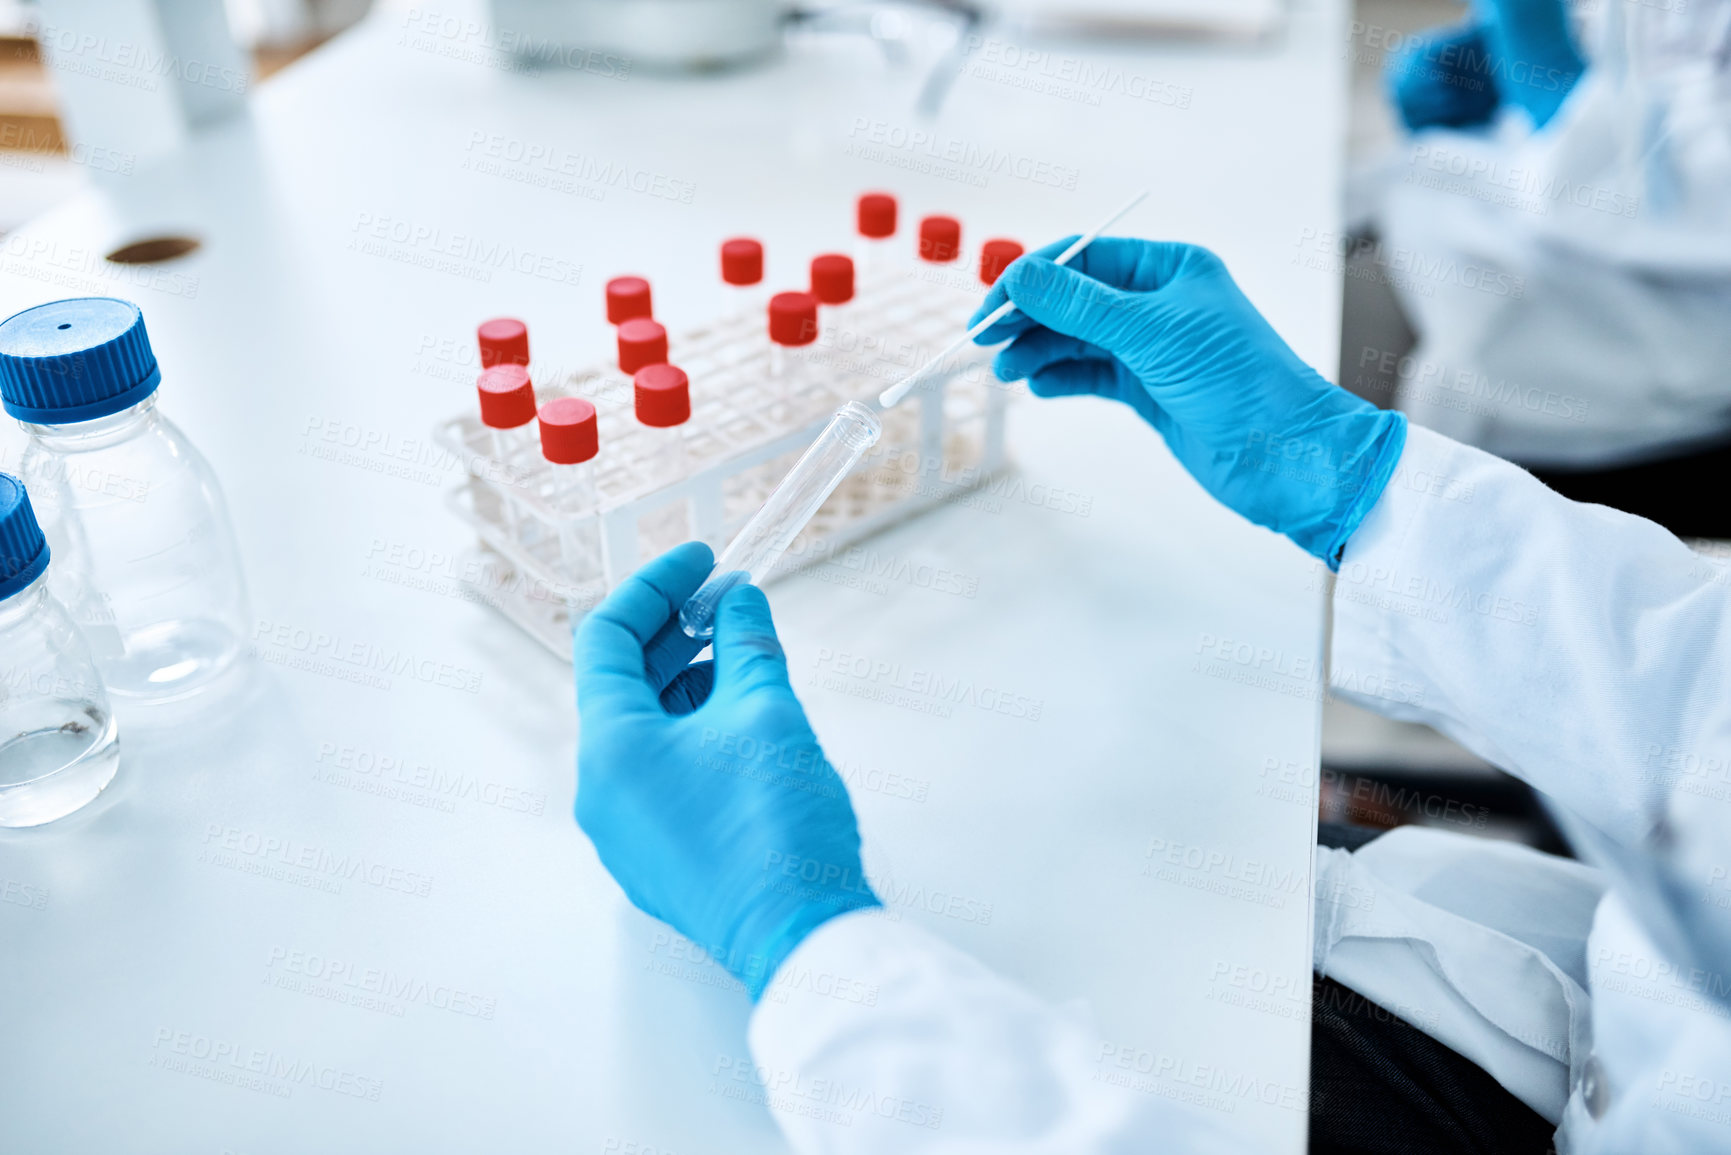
1516 51
701 785
1163 328
1444 79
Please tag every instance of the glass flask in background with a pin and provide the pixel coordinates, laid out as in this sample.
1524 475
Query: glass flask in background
58 743
145 558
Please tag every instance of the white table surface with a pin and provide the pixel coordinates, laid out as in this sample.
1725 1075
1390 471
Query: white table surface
155 926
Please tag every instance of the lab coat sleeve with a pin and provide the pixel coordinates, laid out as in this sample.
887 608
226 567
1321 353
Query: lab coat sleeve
878 1037
1575 646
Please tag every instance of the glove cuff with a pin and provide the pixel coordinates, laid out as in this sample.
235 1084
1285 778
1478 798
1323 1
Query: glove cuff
1391 443
774 932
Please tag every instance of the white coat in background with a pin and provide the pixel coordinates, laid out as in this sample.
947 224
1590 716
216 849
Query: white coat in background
1571 288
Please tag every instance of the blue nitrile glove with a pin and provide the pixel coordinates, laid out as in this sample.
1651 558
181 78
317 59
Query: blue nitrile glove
1519 52
702 785
1163 328
1444 79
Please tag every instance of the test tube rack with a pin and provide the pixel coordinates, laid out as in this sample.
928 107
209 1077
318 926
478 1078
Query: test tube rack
745 432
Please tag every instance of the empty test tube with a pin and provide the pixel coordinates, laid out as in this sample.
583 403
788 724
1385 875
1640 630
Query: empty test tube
876 222
754 552
742 272
569 442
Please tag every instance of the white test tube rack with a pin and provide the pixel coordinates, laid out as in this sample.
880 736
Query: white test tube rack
943 441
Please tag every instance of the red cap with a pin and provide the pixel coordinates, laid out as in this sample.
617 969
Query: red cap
504 341
641 342
877 215
741 261
507 397
940 239
568 431
628 297
793 318
832 279
663 395
995 257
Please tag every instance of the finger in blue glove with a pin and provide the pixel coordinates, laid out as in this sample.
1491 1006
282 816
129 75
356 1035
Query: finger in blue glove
1533 53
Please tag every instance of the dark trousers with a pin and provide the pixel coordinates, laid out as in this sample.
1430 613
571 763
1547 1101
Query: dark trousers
1379 1084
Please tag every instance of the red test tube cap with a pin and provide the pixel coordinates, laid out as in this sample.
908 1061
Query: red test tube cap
741 261
569 433
504 341
940 239
877 215
663 395
641 342
628 297
507 397
995 257
793 318
832 278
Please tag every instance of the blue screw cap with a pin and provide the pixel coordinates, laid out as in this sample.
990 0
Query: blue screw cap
75 360
23 549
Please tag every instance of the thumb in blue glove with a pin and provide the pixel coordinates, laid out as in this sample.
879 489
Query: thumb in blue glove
702 786
1163 328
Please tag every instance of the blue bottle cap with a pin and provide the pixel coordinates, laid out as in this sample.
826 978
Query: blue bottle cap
75 360
23 549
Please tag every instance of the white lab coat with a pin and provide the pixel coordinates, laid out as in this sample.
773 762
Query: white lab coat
1570 287
1583 649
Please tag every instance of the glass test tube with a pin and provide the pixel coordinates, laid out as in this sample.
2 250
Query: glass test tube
742 273
754 552
792 324
508 413
569 442
832 283
662 396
